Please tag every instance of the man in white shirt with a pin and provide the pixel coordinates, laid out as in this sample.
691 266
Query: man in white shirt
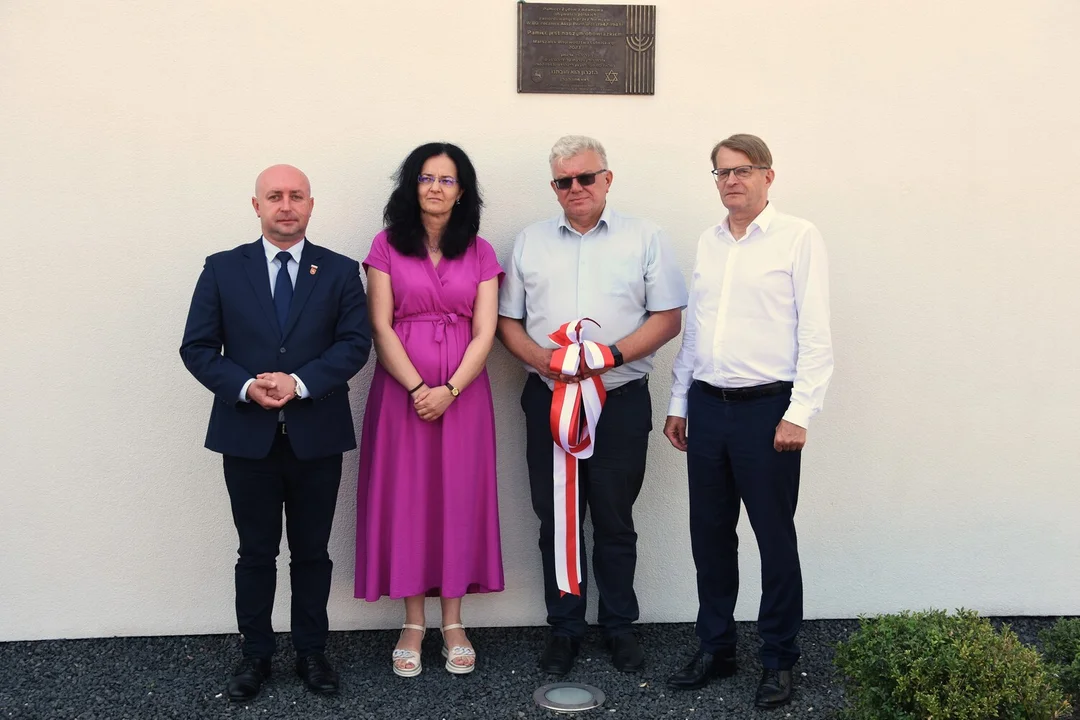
619 271
755 362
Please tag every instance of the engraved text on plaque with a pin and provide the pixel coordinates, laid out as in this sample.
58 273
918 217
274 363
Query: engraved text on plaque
608 49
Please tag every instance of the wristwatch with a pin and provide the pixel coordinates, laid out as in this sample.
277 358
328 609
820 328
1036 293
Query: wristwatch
453 390
616 354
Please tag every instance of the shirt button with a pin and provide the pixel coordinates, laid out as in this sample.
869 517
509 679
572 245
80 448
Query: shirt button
282 351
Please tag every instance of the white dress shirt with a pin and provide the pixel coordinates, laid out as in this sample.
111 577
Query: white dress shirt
273 267
759 313
616 273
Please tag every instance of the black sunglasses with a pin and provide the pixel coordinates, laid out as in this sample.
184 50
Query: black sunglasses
565 183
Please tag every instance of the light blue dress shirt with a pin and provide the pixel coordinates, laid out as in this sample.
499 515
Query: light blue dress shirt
616 273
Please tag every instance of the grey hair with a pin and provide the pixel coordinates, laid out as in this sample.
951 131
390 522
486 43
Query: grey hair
570 145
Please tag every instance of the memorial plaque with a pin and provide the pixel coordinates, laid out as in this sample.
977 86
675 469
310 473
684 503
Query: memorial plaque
606 49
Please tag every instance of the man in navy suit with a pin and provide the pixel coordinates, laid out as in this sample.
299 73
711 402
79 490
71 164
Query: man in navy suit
276 329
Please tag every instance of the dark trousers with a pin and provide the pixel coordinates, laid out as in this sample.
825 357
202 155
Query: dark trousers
609 483
258 489
730 457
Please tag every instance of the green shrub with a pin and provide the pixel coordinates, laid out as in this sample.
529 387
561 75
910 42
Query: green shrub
1061 645
931 665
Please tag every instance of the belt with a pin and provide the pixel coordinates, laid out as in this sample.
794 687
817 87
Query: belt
440 320
745 393
627 386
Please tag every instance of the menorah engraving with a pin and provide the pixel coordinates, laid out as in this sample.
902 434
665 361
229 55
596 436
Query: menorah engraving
640 43
641 39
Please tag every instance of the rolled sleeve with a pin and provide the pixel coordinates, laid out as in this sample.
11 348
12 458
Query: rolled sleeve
512 292
665 286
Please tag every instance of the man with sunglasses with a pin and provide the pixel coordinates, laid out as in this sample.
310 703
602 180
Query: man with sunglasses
755 362
590 262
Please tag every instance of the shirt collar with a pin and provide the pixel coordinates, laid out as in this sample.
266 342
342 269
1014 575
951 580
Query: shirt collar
272 250
761 222
605 220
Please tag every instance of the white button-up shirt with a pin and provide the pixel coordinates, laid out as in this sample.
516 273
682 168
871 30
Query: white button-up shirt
616 273
273 267
759 313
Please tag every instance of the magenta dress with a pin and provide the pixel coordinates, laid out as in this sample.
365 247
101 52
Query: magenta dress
427 510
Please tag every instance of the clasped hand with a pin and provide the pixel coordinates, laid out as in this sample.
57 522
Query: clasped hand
272 390
431 403
543 366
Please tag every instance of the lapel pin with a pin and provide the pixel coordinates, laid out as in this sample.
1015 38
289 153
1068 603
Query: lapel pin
313 269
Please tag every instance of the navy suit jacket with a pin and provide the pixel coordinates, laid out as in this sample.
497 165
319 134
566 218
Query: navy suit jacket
232 335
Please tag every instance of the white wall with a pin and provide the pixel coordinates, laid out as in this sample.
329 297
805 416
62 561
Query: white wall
934 143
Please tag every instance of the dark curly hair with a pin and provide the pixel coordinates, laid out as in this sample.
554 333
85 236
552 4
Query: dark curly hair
405 230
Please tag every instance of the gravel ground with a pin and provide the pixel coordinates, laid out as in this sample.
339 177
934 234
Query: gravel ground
184 677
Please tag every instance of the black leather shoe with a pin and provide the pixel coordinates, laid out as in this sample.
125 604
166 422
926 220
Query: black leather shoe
558 656
317 674
702 668
774 689
247 679
626 653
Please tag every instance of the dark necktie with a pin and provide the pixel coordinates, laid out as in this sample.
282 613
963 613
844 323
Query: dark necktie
283 289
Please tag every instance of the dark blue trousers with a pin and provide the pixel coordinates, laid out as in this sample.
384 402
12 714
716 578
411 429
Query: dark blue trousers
307 490
609 484
730 459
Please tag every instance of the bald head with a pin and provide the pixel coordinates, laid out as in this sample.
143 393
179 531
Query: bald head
276 174
283 203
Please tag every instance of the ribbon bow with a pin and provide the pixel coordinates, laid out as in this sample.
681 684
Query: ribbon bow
573 439
440 326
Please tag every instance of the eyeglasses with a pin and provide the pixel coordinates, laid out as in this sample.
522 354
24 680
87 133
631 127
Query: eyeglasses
445 180
742 172
584 179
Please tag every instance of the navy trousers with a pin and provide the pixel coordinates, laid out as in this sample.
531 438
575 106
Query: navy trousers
730 459
609 484
307 490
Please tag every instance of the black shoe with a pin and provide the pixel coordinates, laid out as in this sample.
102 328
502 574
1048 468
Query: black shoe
317 674
558 656
774 689
247 679
626 653
702 668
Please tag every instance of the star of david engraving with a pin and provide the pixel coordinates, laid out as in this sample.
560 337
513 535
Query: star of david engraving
612 76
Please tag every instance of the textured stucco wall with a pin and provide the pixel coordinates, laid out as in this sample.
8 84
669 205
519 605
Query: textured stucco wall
933 143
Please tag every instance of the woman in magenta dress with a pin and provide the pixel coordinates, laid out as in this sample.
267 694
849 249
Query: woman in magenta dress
426 500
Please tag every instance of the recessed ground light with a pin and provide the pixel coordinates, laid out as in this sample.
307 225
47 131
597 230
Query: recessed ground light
566 697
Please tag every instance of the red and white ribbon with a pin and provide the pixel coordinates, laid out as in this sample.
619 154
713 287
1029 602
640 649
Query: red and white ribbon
573 438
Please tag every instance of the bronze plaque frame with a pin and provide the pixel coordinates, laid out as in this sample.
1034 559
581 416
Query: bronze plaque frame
586 49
